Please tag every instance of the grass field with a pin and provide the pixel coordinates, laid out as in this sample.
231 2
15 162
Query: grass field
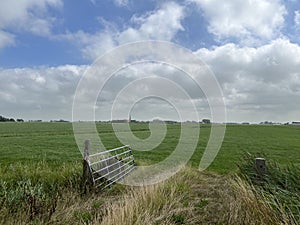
40 169
55 143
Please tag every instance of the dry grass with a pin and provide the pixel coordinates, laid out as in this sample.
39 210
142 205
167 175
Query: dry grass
190 197
247 207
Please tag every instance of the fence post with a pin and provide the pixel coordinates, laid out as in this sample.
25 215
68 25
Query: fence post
86 176
261 168
86 152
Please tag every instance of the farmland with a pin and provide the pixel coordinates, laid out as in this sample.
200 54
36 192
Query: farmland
40 169
55 143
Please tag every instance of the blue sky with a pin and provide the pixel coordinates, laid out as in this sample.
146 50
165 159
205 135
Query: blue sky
90 17
252 46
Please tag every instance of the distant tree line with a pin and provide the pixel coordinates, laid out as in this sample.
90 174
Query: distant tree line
4 119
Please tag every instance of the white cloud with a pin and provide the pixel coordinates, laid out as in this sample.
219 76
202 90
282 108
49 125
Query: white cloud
297 18
249 19
39 93
261 81
121 2
150 79
15 11
41 27
90 45
71 69
38 78
6 39
162 24
30 15
6 97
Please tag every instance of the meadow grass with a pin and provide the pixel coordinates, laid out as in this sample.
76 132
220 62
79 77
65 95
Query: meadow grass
40 169
55 143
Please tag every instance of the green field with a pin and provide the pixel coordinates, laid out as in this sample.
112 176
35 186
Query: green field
55 143
41 169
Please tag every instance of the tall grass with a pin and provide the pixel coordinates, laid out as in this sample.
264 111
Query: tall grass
189 197
50 194
280 187
31 191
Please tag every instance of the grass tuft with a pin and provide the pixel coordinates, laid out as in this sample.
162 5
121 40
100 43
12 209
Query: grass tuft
279 188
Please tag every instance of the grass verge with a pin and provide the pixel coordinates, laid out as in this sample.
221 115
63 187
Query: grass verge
189 197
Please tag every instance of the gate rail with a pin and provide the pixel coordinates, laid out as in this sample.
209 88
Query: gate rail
102 169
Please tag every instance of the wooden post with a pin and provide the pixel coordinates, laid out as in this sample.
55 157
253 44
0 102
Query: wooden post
86 151
261 168
86 176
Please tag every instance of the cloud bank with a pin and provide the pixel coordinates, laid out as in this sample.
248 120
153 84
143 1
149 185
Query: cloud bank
25 16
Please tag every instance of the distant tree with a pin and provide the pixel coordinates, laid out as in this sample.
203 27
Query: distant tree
3 119
62 121
206 121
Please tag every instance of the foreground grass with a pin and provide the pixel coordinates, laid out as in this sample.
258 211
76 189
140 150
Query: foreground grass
280 187
189 197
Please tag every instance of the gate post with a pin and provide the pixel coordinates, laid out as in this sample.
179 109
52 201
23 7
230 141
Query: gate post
86 176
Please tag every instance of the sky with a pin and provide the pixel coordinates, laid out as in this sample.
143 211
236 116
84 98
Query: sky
251 46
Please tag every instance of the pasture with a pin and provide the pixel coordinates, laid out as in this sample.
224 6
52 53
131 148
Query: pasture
41 167
55 143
